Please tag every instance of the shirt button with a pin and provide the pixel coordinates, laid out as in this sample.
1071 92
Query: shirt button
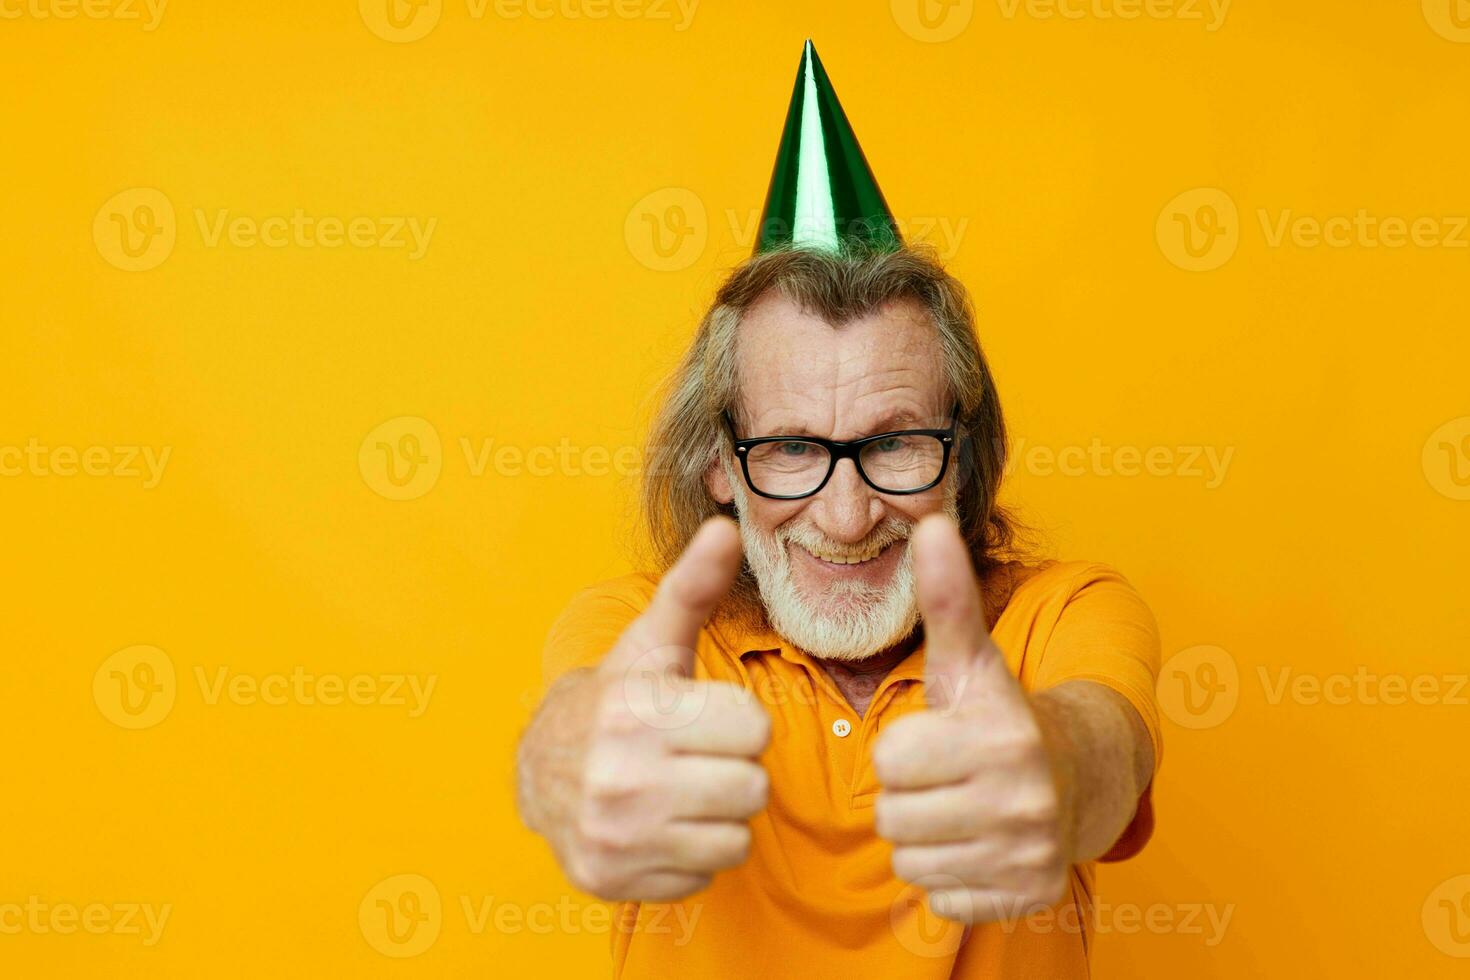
841 727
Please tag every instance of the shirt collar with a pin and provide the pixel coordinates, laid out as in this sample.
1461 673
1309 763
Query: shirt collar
740 644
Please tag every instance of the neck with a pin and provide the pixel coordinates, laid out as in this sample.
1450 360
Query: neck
858 680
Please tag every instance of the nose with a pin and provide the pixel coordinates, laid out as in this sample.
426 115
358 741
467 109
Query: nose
847 509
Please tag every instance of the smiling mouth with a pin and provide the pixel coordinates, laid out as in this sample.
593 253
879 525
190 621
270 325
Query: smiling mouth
837 560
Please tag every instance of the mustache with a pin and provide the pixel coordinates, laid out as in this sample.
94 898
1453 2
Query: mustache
890 531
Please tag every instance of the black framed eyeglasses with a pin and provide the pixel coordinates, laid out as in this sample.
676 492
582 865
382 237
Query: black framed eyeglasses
791 467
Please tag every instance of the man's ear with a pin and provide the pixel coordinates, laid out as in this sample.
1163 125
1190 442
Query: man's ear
717 482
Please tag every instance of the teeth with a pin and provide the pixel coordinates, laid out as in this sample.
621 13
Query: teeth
845 559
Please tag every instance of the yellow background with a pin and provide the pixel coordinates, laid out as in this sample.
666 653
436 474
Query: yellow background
546 149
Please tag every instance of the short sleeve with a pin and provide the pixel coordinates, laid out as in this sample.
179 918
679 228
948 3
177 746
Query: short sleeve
1107 634
591 623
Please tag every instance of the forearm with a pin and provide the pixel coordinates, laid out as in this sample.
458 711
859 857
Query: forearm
1102 760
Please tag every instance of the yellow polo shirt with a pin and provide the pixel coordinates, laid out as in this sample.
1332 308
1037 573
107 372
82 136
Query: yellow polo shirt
817 897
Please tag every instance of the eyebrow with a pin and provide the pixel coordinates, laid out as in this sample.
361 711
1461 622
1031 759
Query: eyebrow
892 422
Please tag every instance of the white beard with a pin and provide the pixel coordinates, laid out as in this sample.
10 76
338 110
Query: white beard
850 620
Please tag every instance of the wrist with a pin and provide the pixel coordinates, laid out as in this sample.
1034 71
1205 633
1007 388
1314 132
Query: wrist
551 753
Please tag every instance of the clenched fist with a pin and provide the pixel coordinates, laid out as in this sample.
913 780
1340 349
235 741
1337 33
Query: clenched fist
970 800
640 777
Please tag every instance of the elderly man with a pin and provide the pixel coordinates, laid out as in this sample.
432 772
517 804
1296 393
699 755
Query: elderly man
881 744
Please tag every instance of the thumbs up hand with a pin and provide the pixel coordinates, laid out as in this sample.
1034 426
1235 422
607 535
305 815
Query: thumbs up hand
970 800
640 777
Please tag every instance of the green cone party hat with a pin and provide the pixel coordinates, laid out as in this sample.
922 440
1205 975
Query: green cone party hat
823 192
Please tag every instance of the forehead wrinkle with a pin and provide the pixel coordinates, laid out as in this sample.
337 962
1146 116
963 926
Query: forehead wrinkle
910 370
883 409
799 385
853 368
759 365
